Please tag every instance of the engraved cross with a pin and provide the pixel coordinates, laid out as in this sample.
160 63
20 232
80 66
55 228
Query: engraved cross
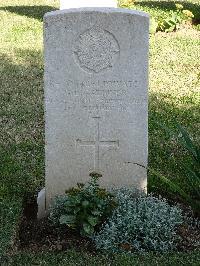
97 143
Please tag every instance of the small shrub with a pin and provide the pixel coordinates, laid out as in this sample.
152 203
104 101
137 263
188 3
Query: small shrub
84 207
140 224
171 23
175 18
57 209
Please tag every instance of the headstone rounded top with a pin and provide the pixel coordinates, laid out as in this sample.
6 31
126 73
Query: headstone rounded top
96 49
97 11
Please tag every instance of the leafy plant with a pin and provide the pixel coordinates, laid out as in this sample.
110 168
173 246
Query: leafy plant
143 223
85 206
175 18
57 209
192 170
170 23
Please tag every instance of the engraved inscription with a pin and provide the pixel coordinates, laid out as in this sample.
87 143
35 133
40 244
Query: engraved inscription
95 96
96 49
101 95
97 143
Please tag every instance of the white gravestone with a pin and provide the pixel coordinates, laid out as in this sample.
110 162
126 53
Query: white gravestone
96 82
64 4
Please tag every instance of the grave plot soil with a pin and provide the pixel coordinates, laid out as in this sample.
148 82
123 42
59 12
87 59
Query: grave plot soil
34 235
190 238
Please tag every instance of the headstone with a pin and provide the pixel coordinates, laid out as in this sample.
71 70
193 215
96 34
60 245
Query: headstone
96 81
64 4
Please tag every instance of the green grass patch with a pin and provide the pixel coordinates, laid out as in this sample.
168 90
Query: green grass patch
72 258
10 210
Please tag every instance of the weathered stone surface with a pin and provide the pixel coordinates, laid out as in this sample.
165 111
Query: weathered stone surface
64 4
96 80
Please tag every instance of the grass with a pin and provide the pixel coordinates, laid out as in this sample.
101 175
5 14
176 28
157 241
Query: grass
174 93
72 258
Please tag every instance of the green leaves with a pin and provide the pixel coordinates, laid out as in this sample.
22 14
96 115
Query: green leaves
93 220
193 170
87 206
188 144
67 219
191 194
85 203
172 22
139 223
88 229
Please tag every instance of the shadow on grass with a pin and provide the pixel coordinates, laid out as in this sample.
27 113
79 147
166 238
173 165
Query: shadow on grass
36 12
170 5
166 156
22 125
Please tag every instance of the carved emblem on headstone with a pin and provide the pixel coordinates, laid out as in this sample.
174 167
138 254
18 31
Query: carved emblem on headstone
96 49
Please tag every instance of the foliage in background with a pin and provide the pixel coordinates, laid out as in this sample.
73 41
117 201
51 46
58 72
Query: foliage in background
175 18
190 196
84 207
171 23
126 3
143 223
192 170
168 23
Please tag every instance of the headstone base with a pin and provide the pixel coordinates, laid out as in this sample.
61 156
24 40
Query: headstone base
41 202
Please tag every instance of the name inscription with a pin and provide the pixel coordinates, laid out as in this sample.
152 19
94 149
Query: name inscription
101 95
